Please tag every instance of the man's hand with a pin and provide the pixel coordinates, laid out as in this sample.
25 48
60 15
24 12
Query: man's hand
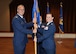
35 26
34 30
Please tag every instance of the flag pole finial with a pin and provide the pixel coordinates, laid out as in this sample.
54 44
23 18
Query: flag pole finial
47 4
61 4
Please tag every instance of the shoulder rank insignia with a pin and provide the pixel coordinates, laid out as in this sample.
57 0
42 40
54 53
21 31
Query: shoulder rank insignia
51 23
16 17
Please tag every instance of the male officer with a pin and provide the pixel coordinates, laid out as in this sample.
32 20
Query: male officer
20 31
47 39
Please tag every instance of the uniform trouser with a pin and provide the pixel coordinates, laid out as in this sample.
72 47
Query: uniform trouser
19 49
40 49
50 51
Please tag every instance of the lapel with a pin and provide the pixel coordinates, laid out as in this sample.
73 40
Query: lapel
49 24
24 20
21 19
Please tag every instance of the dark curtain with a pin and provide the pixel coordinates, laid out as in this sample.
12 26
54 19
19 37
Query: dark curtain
69 16
69 12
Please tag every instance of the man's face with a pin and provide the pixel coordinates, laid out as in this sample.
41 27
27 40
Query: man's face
49 18
21 10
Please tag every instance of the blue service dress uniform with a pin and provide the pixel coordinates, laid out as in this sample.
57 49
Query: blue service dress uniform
47 39
39 34
20 34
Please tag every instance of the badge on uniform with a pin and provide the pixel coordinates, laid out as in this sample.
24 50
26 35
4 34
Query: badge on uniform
46 28
42 26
